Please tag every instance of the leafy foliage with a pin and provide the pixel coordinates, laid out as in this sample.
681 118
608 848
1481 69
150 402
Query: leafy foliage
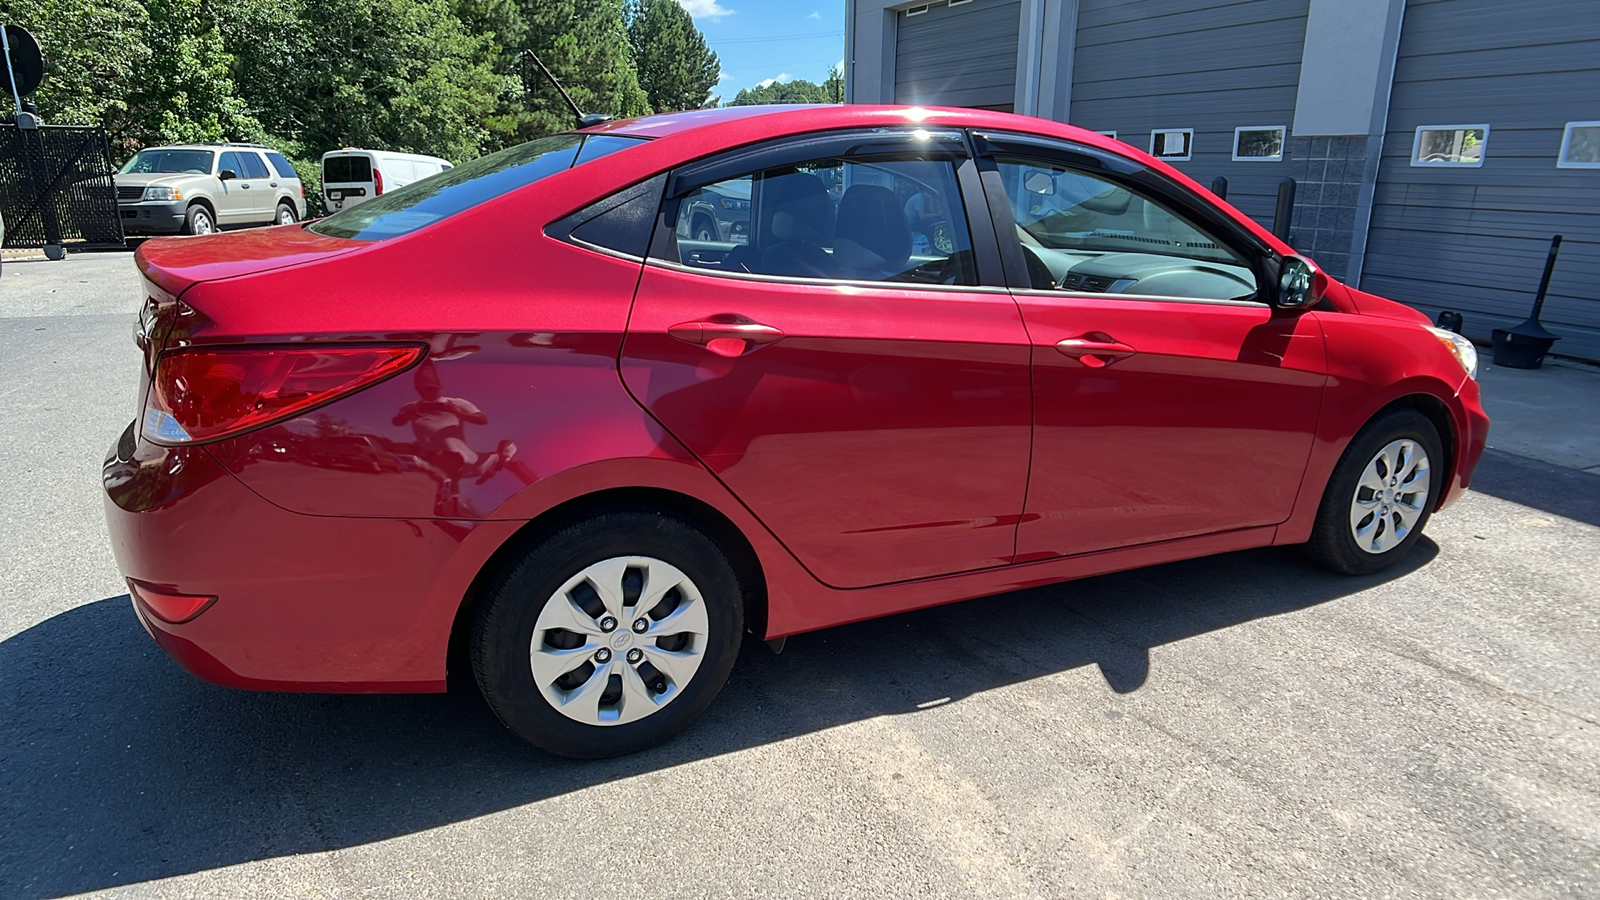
676 68
797 91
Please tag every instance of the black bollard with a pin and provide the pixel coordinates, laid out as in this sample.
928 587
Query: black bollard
1219 186
1523 346
1284 216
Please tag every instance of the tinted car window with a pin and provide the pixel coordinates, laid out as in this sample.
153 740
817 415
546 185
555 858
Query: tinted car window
884 218
193 162
281 165
1080 232
346 169
230 161
253 166
425 202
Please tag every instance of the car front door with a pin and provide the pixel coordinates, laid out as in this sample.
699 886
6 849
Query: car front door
236 201
1171 400
851 380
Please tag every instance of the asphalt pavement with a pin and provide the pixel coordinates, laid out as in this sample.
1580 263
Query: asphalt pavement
1240 726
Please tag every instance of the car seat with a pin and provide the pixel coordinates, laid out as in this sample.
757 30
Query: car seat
872 240
797 214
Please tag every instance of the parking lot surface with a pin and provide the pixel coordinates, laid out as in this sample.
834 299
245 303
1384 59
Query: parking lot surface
1240 726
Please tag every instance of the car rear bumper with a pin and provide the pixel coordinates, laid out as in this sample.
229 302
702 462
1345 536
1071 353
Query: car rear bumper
306 603
153 217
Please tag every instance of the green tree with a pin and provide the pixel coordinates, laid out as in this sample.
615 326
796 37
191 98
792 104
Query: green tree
184 90
833 88
796 91
92 49
676 68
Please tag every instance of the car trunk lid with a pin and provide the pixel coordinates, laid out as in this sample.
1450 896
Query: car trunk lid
176 264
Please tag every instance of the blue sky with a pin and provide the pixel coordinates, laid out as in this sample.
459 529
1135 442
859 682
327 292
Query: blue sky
762 40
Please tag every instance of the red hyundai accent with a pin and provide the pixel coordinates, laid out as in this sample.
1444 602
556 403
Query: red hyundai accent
593 407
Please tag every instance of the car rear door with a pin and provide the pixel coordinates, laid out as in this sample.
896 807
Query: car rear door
1170 399
262 186
856 385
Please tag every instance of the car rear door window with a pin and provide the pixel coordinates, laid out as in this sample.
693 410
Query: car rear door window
1084 233
253 165
884 217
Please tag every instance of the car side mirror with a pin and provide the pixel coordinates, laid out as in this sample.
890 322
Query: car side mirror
1040 183
227 175
1300 283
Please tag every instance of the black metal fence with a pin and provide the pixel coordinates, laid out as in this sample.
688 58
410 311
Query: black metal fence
56 187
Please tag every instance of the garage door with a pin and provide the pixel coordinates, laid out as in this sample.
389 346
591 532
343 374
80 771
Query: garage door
962 54
1142 65
1473 238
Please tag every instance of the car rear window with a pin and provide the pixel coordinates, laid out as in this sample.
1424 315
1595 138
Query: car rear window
346 169
281 165
469 184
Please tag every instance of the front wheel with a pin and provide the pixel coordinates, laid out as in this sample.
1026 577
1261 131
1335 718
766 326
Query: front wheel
199 221
610 636
1380 495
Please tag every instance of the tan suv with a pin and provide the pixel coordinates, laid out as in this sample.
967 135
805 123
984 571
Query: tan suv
201 188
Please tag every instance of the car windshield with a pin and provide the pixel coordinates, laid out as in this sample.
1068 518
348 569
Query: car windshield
192 162
425 202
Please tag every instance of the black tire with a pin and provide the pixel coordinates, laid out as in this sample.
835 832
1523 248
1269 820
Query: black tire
513 599
293 215
705 230
1332 544
199 220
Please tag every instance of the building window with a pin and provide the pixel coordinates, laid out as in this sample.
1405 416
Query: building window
1258 143
917 10
1172 143
1109 134
1580 146
1450 145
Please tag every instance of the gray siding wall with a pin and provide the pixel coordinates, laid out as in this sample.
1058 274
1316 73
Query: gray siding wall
1475 240
959 56
1201 64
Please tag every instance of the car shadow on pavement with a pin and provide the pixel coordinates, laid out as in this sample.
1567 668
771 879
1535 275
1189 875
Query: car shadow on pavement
118 767
1569 493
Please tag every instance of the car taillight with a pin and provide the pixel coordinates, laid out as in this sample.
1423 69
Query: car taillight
377 182
203 394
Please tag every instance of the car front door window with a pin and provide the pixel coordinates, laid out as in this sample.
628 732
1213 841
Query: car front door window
1080 232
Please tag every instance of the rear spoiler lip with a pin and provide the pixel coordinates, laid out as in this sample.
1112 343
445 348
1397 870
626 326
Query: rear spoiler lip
176 264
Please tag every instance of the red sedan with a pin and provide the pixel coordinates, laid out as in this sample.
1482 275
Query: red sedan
524 410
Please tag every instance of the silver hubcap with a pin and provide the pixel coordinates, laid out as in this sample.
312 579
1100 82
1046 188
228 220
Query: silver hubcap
285 217
619 641
1390 497
202 224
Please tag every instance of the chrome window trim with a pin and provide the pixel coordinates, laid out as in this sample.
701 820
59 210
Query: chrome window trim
797 280
1158 298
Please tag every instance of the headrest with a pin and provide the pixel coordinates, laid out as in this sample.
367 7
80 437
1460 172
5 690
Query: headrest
799 207
871 219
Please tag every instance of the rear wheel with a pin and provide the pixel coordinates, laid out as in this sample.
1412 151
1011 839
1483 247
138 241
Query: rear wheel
1381 494
286 215
199 221
610 636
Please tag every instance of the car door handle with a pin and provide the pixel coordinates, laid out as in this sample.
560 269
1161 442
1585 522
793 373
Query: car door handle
1095 349
726 338
272 184
244 185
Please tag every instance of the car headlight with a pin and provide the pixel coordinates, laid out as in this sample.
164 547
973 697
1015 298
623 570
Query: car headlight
1460 348
162 193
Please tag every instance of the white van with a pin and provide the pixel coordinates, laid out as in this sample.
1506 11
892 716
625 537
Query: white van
353 176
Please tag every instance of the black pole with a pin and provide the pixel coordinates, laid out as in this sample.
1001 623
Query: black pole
1544 282
1284 215
1219 186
